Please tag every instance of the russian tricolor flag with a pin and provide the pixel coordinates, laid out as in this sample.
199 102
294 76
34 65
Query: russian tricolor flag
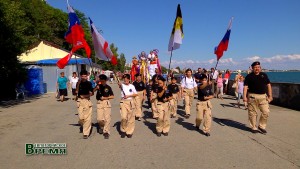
223 45
74 36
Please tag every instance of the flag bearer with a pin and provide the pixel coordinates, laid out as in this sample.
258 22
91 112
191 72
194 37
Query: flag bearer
127 107
84 104
188 85
174 89
204 106
104 94
141 91
258 94
163 104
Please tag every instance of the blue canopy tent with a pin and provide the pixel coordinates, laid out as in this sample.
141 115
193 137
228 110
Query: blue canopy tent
80 61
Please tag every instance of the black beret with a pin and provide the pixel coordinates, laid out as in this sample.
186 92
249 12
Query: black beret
161 78
255 63
102 77
203 76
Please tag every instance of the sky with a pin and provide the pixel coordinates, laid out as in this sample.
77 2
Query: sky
263 30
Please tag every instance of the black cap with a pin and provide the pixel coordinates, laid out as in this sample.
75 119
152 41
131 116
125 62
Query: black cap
161 78
102 77
255 63
203 76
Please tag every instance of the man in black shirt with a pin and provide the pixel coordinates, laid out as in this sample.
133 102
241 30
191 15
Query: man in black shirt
203 106
163 104
258 94
174 89
104 94
198 75
84 90
141 91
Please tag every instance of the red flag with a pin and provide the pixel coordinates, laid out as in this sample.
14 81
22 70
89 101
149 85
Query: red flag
114 60
64 61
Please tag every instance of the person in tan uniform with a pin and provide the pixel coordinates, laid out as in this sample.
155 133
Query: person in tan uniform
127 107
153 96
188 86
163 104
141 91
258 94
104 94
84 90
174 89
203 106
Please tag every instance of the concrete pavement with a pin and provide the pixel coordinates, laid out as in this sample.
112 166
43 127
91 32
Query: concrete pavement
231 145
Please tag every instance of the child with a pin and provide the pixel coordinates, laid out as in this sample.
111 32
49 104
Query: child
141 91
153 96
220 86
127 108
85 91
148 90
204 106
104 94
174 89
239 89
163 103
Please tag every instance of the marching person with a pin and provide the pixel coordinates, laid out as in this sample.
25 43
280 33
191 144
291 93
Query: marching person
163 104
153 96
174 89
148 90
104 94
84 90
204 106
258 94
188 85
127 107
141 91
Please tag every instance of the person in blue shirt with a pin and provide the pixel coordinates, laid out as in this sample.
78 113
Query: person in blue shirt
61 85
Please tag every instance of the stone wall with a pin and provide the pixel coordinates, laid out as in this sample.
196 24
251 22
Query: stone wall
284 94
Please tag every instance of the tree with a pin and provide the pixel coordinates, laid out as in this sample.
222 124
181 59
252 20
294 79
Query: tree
164 69
121 62
13 42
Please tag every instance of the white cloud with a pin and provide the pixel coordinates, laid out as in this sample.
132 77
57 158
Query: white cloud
274 62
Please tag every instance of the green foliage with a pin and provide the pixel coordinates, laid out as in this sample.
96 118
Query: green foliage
12 43
24 23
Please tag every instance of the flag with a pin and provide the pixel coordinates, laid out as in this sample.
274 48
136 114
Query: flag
101 46
223 45
74 36
177 32
64 61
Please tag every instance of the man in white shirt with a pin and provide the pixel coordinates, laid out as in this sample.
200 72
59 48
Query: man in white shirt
214 75
128 92
188 86
73 80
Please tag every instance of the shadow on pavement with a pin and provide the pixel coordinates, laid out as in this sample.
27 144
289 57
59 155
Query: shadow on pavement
181 113
184 124
117 125
151 126
231 123
228 105
11 103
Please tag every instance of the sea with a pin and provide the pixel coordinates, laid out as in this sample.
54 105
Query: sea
279 77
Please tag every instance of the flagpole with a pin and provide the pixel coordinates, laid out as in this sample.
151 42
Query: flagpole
169 65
